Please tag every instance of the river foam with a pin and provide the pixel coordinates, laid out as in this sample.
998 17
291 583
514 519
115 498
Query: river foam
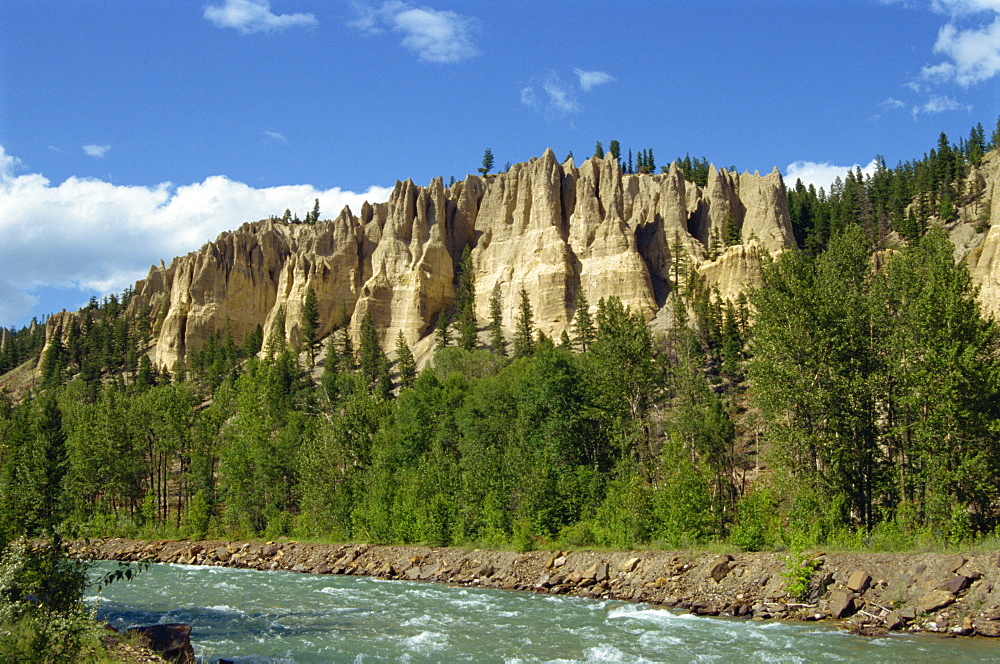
269 617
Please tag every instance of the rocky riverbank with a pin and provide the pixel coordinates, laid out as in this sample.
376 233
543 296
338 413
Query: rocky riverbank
869 593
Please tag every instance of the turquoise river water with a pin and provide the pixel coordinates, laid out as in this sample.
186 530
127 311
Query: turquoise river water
253 616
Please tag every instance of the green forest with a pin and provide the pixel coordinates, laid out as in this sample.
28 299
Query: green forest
851 401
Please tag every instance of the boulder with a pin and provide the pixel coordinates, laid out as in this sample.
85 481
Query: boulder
858 581
841 603
172 641
628 565
704 607
428 571
720 568
893 621
934 600
988 628
957 584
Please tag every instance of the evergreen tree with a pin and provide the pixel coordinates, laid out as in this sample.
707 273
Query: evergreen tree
313 216
330 380
276 342
465 309
54 362
599 151
624 374
310 326
976 146
497 342
487 162
253 341
442 330
145 378
616 151
679 262
383 384
371 358
732 232
583 326
346 348
42 467
406 365
524 342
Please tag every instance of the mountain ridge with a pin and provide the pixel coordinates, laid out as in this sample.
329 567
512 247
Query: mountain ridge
550 228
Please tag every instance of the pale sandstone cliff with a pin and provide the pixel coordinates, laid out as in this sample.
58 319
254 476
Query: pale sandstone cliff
984 260
553 229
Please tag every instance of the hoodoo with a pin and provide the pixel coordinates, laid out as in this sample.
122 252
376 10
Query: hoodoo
552 229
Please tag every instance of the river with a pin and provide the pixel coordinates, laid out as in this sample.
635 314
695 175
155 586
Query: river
252 616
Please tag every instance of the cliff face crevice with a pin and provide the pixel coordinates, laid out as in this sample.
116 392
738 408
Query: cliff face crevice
984 260
553 229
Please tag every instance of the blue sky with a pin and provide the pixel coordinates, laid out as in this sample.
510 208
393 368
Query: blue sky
134 131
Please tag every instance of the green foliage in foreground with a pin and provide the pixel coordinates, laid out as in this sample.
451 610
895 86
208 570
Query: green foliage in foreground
42 614
799 570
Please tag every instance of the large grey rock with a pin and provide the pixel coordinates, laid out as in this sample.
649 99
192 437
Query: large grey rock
957 584
859 581
988 628
841 603
934 600
171 640
720 567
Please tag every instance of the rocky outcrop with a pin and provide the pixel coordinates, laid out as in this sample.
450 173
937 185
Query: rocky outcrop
172 641
984 260
871 592
553 229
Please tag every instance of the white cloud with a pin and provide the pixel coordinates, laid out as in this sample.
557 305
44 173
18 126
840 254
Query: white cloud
974 53
92 234
561 96
821 174
970 42
8 164
96 151
965 7
250 16
434 35
591 79
275 136
560 99
887 106
939 104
